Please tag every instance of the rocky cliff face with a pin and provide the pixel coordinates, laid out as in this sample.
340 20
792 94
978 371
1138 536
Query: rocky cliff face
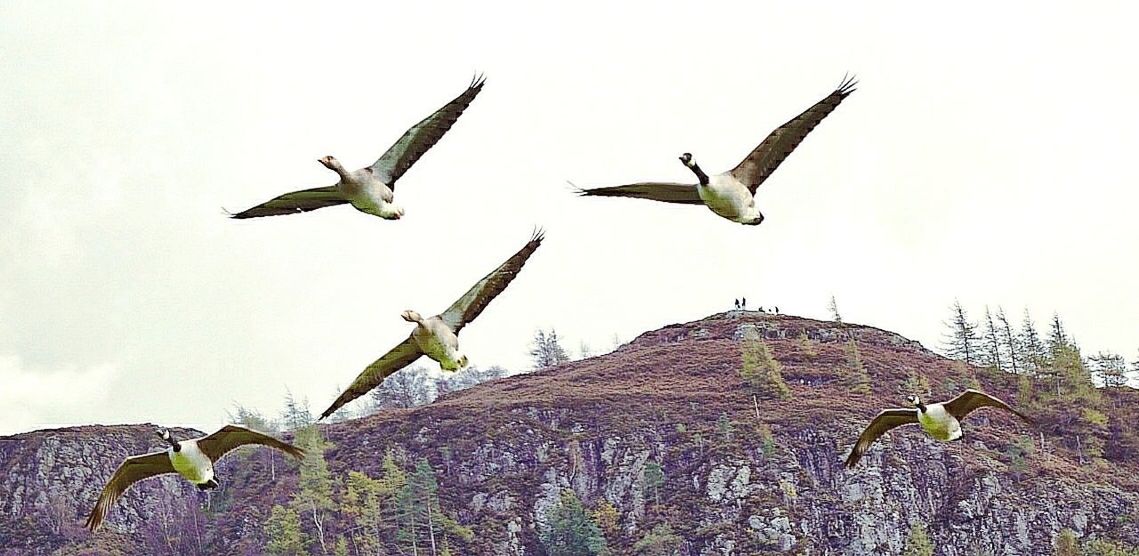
742 475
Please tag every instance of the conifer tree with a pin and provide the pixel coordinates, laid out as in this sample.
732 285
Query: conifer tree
1111 369
608 519
296 415
761 371
807 345
961 342
653 477
547 350
857 379
1057 337
363 503
660 541
283 532
1008 341
1065 544
313 498
1031 347
917 542
991 343
833 308
569 530
1134 369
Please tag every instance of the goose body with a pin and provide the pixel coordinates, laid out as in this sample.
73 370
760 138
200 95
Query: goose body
436 340
731 194
192 464
365 191
941 421
193 459
728 197
437 337
371 189
938 423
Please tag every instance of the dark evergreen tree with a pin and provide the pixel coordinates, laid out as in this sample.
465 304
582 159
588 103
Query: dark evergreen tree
961 342
1031 347
1057 336
991 343
761 371
296 415
1110 368
660 541
856 378
1065 544
917 542
313 498
283 532
569 530
1009 343
653 480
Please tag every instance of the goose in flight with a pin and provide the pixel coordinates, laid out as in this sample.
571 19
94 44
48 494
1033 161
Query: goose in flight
371 189
437 336
942 421
732 193
193 459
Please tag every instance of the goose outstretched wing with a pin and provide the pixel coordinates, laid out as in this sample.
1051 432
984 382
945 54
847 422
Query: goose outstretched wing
472 303
885 421
295 202
971 399
656 191
423 135
132 470
766 157
231 437
397 358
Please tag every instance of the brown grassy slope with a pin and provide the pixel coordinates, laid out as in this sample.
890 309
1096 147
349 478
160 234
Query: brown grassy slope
662 394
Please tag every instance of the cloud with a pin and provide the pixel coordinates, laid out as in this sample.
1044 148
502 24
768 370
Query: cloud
34 398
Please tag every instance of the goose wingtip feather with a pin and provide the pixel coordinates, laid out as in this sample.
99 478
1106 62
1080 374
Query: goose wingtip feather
848 85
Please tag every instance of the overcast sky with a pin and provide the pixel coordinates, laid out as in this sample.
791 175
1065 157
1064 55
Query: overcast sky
988 155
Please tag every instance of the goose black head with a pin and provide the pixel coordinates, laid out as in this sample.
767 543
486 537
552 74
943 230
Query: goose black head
165 435
687 160
916 402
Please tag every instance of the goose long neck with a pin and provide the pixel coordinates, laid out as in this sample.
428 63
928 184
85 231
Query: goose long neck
920 406
700 175
337 167
173 443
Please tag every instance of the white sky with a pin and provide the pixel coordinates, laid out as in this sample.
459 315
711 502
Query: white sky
987 155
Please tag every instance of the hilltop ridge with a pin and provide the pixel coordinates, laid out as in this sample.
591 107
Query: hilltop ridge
742 474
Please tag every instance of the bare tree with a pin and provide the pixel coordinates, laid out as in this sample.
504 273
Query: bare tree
407 387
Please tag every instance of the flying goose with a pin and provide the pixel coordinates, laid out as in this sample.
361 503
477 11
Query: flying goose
942 421
372 189
732 193
193 459
437 336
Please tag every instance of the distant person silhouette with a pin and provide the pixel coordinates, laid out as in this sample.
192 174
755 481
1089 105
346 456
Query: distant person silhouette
737 304
743 304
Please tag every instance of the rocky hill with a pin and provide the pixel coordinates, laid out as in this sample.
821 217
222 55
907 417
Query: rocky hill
742 474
